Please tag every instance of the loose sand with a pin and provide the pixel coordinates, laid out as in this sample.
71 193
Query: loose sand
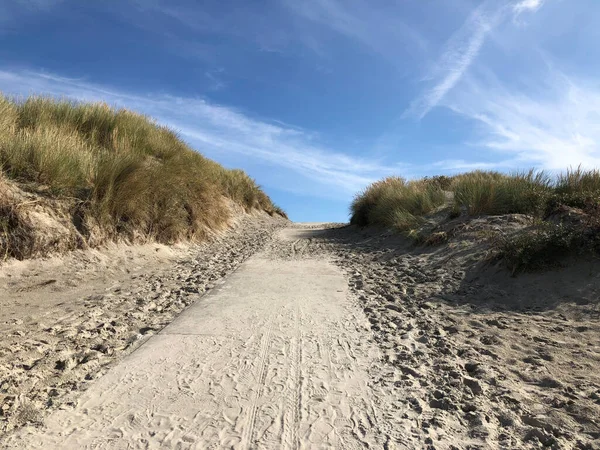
325 338
272 358
472 357
64 320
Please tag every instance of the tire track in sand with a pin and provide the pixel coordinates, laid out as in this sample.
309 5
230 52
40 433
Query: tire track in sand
248 438
293 398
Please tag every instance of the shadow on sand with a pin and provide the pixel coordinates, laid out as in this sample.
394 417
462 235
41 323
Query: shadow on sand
465 275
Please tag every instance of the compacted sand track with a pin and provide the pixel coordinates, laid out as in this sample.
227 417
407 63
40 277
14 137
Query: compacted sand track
274 357
327 337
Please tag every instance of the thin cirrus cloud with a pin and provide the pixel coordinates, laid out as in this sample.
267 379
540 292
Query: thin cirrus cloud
282 23
266 29
381 30
554 129
36 5
10 11
457 165
462 49
527 5
220 131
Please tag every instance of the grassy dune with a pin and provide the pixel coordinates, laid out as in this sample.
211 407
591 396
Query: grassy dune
476 193
564 209
395 202
121 174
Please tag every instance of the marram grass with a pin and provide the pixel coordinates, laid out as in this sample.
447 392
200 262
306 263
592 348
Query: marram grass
128 174
395 202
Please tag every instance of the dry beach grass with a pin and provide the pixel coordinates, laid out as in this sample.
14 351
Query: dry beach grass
563 211
99 174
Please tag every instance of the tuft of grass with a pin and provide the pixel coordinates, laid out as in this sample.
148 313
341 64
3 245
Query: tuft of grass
443 181
129 175
8 116
52 157
395 202
577 188
493 193
279 211
534 192
540 248
575 181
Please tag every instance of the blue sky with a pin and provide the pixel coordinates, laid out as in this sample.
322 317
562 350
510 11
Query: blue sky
317 98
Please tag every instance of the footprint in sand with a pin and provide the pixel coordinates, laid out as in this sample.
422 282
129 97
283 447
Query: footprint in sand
232 409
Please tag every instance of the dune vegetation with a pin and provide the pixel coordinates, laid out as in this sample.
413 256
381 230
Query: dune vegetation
475 193
121 174
395 202
564 209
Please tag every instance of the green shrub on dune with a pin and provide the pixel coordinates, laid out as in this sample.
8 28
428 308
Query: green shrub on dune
394 202
128 174
565 210
494 193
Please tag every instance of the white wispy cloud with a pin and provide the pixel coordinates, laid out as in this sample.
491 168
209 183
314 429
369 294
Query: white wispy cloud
376 26
554 128
527 5
215 79
461 165
37 4
459 53
463 48
219 131
11 11
264 27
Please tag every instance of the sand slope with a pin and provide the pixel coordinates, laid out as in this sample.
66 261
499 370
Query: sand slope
275 357
346 338
65 320
471 357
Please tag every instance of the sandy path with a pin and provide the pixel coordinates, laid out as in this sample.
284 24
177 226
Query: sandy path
472 358
274 357
66 320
